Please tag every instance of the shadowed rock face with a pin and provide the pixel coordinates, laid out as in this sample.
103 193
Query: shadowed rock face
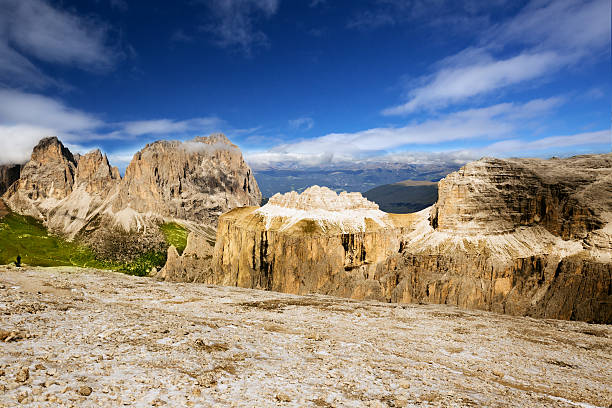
527 237
9 173
191 183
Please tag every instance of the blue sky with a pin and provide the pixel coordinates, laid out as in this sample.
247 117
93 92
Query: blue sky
309 83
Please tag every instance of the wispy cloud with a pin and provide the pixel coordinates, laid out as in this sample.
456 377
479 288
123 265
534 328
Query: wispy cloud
17 108
303 123
168 126
25 118
553 35
489 123
32 30
234 23
459 82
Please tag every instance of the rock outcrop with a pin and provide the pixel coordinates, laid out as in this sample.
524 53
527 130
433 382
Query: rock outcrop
9 173
521 236
194 265
84 197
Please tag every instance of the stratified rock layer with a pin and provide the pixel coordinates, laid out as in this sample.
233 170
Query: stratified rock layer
522 236
317 241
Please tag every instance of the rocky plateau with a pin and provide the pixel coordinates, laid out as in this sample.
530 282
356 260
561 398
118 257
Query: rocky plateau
85 338
518 236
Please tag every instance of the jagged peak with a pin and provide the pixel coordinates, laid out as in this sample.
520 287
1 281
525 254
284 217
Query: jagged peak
51 147
214 138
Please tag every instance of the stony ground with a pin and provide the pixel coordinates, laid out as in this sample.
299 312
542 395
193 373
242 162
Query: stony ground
87 338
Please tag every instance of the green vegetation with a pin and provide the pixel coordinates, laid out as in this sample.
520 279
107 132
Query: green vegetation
144 263
26 236
176 235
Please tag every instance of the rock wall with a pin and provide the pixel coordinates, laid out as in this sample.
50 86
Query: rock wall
313 242
196 181
9 173
522 236
194 265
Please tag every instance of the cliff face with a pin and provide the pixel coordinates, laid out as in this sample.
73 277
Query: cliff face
83 196
527 237
313 242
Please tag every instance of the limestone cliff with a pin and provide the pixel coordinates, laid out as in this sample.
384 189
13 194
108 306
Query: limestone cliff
316 241
84 197
521 236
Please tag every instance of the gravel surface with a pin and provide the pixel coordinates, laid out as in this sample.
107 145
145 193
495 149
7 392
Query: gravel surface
87 338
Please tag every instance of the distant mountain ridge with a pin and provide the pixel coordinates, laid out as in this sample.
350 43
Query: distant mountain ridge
353 178
404 197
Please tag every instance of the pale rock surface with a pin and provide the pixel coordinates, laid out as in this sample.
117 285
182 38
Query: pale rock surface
518 236
138 342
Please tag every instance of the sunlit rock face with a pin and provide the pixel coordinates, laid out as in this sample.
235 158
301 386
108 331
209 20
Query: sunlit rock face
518 236
196 180
347 212
83 197
316 241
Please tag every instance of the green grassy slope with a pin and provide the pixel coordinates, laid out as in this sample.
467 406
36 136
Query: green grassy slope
176 235
26 236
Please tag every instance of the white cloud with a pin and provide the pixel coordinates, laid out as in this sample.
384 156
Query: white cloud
454 84
19 108
492 122
506 147
575 26
544 147
303 123
235 20
17 141
25 118
33 30
168 126
554 34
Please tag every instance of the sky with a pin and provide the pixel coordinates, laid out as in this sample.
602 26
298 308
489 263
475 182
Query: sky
309 83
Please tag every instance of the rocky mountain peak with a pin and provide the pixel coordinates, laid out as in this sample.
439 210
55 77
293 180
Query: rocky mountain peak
196 180
568 197
215 138
96 173
51 150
